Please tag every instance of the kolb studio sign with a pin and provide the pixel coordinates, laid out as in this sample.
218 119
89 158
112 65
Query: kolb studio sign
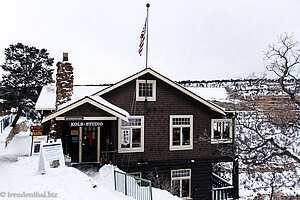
51 156
79 124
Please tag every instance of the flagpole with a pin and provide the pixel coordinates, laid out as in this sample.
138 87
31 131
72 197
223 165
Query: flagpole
147 5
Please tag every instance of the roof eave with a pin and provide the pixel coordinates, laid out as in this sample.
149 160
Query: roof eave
80 102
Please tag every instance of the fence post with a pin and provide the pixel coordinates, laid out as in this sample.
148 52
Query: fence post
115 180
125 184
150 189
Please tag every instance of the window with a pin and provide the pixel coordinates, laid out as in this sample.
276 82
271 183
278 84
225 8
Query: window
136 174
146 90
181 132
131 135
221 131
181 182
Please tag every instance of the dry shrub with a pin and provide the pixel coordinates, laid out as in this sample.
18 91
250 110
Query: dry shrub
22 127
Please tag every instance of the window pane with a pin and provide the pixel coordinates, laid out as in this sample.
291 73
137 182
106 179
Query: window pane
181 121
142 89
145 91
226 128
125 138
132 122
180 173
136 137
176 136
217 130
149 89
185 188
176 187
186 136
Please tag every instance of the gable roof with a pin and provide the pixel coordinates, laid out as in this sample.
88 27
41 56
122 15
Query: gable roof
166 80
47 97
95 101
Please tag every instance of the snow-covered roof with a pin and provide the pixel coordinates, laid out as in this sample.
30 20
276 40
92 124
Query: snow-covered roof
211 94
47 98
109 105
80 91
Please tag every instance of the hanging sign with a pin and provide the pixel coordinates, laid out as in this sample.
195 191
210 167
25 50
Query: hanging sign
37 130
125 136
51 156
36 144
74 132
79 124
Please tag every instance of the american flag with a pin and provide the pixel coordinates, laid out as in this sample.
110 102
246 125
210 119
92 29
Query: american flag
142 39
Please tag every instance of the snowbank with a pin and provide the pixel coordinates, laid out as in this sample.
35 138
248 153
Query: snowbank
61 183
20 178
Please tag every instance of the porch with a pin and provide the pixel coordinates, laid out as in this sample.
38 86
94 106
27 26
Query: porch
88 142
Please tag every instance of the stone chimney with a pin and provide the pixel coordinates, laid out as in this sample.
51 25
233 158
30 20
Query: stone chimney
64 81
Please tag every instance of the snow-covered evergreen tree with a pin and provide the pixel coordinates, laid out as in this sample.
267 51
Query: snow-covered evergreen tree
26 70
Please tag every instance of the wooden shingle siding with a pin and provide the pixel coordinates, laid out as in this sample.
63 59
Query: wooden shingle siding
169 101
86 110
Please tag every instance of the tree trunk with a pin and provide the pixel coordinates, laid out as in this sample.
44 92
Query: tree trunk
19 112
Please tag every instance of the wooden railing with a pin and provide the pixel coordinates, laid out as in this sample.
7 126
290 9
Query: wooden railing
222 193
132 186
222 189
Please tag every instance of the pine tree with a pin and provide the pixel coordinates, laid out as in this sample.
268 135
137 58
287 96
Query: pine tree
26 70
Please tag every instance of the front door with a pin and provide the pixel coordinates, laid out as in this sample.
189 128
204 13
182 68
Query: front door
89 144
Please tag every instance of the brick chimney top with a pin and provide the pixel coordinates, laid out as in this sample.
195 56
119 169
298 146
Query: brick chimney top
65 57
64 81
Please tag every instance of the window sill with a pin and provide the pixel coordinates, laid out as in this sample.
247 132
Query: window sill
180 148
221 141
130 150
144 99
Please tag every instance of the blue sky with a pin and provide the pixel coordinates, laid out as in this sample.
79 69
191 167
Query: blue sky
192 39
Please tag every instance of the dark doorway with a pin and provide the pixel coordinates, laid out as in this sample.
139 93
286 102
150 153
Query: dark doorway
89 144
74 144
106 142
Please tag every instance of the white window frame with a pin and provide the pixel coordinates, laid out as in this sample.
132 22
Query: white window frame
222 140
139 98
136 174
181 147
182 178
131 149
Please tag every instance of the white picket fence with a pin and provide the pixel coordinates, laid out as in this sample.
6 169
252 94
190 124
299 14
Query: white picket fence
5 122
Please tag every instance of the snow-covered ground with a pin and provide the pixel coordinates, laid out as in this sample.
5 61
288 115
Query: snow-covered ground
19 177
